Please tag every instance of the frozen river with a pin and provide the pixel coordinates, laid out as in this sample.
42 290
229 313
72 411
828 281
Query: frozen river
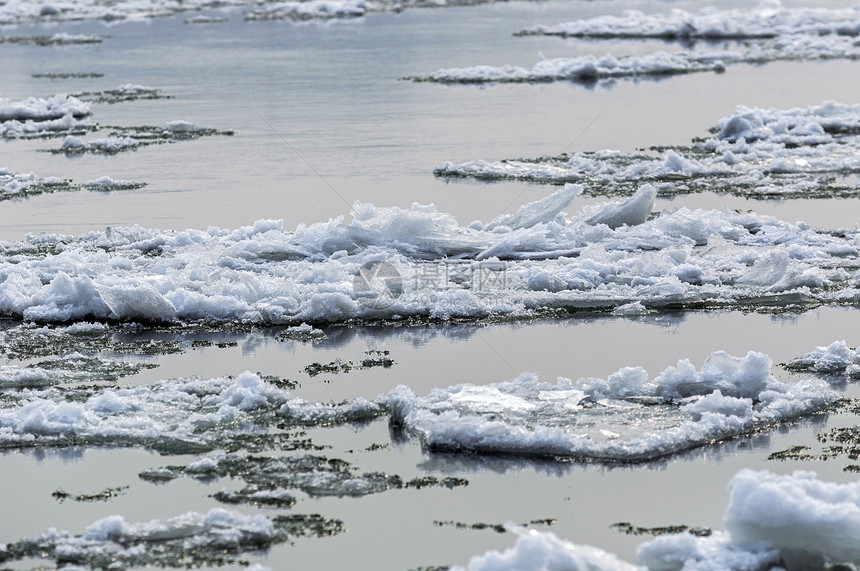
161 401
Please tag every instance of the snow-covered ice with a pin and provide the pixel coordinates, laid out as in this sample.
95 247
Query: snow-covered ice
626 417
772 33
755 152
767 20
263 274
587 69
23 11
183 414
835 359
216 537
19 185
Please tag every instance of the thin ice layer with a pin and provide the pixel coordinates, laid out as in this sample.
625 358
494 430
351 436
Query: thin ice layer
758 153
625 418
767 20
394 262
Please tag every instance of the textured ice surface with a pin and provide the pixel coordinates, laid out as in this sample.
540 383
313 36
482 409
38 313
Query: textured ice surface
394 262
40 117
627 417
767 20
758 153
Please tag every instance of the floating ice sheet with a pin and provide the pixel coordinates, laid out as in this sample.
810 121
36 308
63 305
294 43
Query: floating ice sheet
758 153
625 418
767 20
391 263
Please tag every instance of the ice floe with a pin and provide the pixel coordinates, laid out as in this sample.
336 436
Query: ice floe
772 33
758 153
835 359
767 20
39 117
123 139
587 69
58 39
679 409
123 93
23 11
418 262
172 416
20 185
217 537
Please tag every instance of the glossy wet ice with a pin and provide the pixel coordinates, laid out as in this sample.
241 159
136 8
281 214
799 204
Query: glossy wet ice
321 119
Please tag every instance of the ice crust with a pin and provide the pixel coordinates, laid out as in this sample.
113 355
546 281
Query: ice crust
262 274
626 417
767 20
773 33
755 152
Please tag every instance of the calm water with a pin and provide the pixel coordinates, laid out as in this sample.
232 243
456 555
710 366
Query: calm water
321 120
